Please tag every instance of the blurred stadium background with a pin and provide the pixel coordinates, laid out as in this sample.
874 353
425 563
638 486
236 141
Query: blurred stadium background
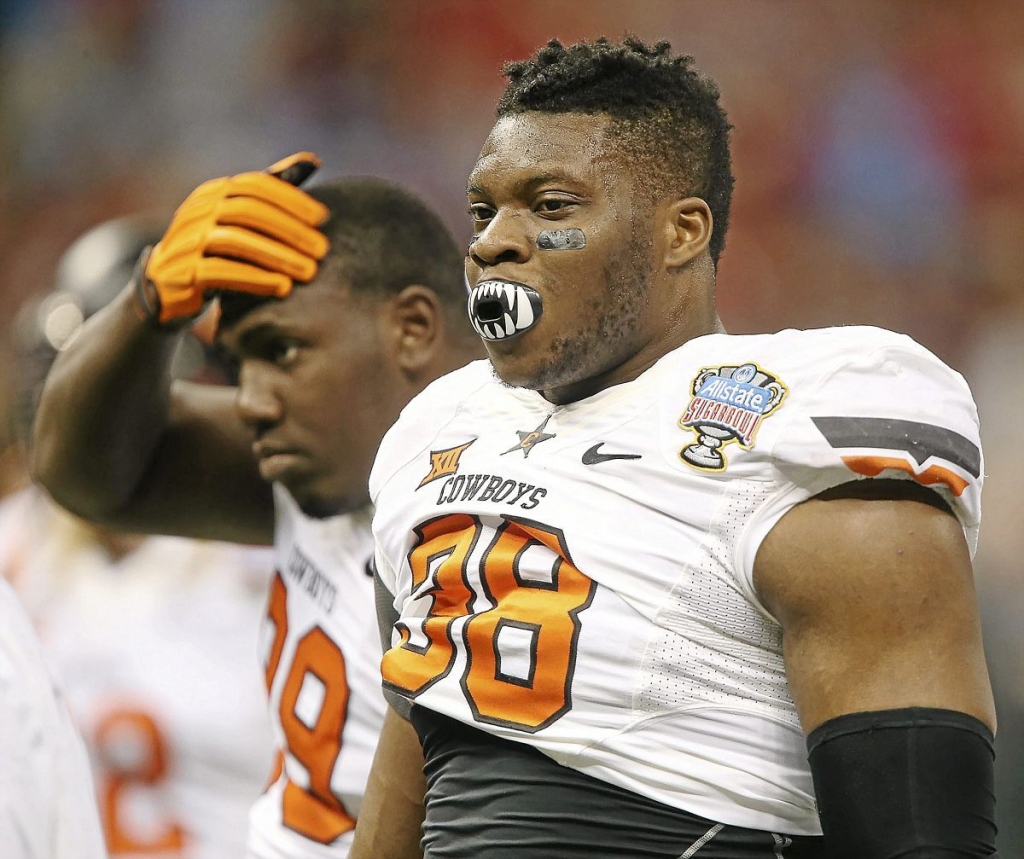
879 155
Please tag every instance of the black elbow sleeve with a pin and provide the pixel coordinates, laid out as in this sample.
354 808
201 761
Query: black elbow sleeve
913 783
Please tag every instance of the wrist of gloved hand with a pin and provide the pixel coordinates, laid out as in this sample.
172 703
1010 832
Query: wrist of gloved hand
147 297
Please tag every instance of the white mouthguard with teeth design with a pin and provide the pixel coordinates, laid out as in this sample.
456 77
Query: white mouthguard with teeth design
499 309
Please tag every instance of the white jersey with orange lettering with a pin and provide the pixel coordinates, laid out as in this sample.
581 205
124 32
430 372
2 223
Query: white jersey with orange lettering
47 806
154 642
321 653
579 577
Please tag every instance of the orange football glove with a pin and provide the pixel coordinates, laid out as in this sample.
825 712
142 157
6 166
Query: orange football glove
254 233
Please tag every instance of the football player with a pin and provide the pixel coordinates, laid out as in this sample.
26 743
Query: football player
151 639
656 590
47 806
323 369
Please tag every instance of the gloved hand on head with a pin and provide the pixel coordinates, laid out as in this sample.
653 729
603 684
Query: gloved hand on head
254 233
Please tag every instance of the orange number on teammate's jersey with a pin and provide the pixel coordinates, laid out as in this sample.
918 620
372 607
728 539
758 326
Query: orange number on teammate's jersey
133 754
521 651
277 614
316 746
314 741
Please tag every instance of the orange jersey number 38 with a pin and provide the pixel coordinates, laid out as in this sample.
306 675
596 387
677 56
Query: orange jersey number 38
522 619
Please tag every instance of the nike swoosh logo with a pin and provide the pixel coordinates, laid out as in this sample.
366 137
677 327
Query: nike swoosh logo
592 457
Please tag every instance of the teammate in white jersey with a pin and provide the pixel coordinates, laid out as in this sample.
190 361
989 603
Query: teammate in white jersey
655 590
47 807
323 369
151 639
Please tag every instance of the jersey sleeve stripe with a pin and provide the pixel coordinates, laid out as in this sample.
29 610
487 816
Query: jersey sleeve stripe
920 440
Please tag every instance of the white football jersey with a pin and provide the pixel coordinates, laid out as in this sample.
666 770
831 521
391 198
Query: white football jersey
579 577
321 653
156 652
47 806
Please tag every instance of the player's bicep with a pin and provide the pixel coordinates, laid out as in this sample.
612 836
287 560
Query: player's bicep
877 606
202 480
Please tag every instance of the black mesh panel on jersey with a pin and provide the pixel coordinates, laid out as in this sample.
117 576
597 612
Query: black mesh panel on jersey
490 798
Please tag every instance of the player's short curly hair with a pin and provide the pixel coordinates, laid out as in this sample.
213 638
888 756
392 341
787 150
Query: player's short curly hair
385 238
666 117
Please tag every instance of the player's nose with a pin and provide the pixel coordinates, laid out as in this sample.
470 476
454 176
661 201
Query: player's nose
504 239
257 404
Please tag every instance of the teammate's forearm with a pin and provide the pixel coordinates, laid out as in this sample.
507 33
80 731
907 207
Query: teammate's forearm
103 410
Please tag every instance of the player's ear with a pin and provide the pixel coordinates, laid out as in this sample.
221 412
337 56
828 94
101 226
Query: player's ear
414 322
687 230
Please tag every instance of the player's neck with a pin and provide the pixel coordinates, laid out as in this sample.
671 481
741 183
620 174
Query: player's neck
635 365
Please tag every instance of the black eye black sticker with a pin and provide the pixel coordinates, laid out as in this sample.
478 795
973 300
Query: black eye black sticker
561 240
